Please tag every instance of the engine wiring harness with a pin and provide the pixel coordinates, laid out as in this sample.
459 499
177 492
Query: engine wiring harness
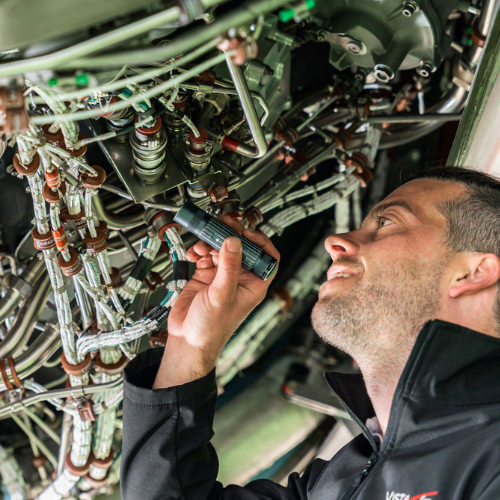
111 135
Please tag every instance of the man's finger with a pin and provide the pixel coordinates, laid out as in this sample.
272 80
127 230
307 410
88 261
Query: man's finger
228 270
205 262
257 237
200 249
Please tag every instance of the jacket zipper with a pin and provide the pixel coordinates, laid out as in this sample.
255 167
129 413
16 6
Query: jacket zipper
360 477
373 457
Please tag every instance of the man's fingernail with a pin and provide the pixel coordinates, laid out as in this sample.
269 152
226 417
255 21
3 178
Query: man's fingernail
233 245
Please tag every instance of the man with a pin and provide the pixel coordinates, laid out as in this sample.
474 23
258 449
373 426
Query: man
429 251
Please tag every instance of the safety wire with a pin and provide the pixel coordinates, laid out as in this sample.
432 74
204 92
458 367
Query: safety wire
158 315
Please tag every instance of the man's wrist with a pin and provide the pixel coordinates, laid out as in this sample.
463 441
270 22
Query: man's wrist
183 363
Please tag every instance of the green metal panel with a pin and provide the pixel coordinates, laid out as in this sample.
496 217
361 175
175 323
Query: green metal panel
480 93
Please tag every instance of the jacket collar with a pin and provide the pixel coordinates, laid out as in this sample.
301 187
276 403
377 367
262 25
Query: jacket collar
449 364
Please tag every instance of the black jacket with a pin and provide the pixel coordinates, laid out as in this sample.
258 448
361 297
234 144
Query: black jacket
442 441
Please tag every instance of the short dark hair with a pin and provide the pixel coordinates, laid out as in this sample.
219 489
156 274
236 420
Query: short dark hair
474 217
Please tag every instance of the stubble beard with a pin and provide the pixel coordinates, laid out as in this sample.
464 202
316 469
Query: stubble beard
379 318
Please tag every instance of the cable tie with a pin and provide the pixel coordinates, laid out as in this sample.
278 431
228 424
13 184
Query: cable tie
278 230
5 377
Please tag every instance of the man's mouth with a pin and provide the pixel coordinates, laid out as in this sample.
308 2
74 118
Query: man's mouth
334 272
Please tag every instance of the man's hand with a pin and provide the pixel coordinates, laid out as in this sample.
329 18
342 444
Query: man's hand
219 296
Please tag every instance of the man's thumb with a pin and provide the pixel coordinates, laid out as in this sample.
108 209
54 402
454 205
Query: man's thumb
229 267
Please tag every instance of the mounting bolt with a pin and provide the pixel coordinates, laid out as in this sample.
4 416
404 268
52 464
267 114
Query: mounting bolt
426 68
410 7
354 47
383 73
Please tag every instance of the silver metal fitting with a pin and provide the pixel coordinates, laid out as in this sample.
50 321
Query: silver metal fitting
354 47
198 151
383 73
410 7
21 287
149 154
426 68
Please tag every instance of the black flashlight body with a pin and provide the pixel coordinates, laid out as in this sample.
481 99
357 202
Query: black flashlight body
212 231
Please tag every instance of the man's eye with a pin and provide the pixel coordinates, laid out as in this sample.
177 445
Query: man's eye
382 221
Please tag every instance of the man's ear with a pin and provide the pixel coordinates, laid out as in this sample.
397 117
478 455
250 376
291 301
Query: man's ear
478 272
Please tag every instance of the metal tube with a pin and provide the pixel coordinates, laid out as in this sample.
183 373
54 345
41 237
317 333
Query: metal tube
14 296
255 95
50 456
63 448
36 354
78 391
248 107
95 44
187 41
448 117
488 8
18 336
452 102
162 206
115 221
83 302
128 245
43 425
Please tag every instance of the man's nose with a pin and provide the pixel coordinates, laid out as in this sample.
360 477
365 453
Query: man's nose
341 245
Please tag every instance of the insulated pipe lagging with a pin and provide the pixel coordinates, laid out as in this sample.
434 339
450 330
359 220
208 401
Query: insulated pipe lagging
252 119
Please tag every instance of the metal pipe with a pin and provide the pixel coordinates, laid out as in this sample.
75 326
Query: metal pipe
488 8
95 44
20 333
473 53
43 425
452 102
78 391
189 40
254 94
83 301
36 354
15 295
128 245
448 117
63 448
162 206
248 107
115 221
40 444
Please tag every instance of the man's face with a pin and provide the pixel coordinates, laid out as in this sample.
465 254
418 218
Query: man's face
387 278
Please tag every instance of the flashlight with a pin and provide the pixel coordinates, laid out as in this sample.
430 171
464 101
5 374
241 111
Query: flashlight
212 231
